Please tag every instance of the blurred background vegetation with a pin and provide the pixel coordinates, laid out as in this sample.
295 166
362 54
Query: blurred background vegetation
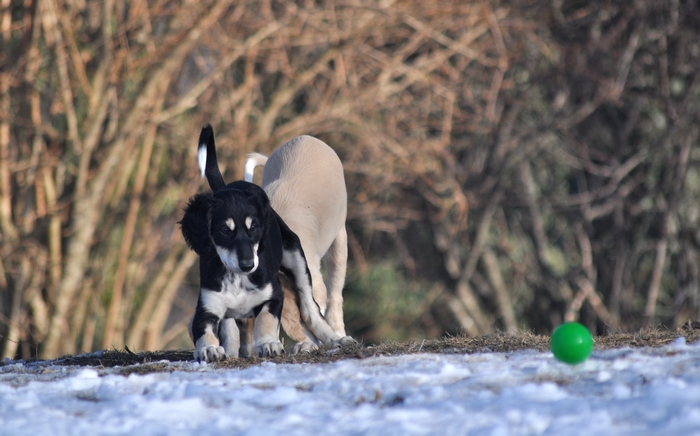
510 164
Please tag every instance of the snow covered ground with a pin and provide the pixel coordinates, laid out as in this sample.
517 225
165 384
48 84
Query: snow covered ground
653 391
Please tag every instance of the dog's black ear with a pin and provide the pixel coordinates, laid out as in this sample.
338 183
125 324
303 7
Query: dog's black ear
270 217
196 223
290 240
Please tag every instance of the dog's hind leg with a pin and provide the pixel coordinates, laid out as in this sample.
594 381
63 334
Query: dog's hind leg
294 266
246 327
319 287
306 342
336 261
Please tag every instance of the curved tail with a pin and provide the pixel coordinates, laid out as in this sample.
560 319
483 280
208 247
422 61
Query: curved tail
206 154
254 160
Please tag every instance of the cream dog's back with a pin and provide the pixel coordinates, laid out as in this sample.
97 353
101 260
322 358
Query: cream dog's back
305 182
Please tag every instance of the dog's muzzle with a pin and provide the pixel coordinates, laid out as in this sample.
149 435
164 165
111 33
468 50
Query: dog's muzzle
239 263
246 265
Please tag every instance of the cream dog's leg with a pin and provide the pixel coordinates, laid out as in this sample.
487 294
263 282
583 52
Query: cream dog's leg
229 336
247 336
336 260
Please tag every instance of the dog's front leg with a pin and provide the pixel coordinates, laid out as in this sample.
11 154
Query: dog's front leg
205 331
267 330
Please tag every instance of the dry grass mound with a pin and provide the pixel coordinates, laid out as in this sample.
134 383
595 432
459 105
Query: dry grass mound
156 361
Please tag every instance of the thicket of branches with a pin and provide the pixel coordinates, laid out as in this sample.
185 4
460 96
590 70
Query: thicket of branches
521 163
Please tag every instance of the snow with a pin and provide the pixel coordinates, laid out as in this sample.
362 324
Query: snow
616 392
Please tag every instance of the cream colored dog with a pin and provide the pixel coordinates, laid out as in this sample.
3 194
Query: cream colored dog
305 183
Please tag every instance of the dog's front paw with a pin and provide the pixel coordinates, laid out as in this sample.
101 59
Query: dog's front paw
269 349
304 347
342 342
210 353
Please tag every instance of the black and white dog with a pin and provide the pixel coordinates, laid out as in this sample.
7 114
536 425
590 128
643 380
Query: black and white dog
243 244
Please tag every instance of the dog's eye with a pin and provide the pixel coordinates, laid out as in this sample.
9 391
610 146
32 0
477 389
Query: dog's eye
253 226
225 230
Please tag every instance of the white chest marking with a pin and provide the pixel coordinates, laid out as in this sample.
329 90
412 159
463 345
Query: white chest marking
237 298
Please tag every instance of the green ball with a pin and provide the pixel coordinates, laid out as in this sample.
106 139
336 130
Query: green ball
571 343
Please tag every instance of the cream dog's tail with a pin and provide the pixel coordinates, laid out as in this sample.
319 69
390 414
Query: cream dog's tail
254 160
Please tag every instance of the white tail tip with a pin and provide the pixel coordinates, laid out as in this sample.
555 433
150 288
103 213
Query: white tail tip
254 160
202 157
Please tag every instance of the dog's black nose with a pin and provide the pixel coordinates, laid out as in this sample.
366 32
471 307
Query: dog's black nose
246 264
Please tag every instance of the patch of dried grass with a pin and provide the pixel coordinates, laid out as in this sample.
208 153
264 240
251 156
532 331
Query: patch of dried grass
493 343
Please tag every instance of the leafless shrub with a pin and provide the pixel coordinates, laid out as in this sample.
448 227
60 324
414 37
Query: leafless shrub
535 161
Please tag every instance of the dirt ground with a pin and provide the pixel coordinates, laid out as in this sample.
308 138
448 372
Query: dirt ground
498 342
